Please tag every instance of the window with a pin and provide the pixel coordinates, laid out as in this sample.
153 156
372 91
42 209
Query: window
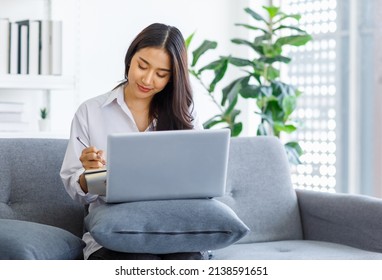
340 79
313 70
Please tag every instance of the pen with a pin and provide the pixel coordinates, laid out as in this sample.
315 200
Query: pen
87 146
82 142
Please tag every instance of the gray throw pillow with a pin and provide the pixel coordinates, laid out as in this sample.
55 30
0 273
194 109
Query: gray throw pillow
22 240
165 226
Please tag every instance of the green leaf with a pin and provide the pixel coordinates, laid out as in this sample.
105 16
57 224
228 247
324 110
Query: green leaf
297 92
211 66
205 46
272 73
234 114
272 11
240 62
261 130
293 157
250 91
229 110
258 65
285 16
232 90
266 91
296 146
294 40
262 40
213 121
288 105
236 129
269 50
278 58
294 152
243 42
220 71
251 27
255 15
273 110
291 27
288 128
257 92
266 117
262 102
188 40
280 90
286 96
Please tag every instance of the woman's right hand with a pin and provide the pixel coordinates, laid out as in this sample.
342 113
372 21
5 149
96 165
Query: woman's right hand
92 158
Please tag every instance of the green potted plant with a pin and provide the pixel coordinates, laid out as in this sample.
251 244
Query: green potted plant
44 122
276 100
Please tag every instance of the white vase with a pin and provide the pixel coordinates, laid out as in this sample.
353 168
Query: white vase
44 124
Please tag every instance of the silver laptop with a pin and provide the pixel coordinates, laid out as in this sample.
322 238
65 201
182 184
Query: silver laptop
167 165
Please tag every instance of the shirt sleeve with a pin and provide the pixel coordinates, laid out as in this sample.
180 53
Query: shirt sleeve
71 167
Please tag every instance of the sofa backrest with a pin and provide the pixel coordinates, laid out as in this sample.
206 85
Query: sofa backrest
260 191
30 185
259 187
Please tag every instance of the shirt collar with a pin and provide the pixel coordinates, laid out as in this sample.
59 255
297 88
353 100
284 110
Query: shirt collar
116 94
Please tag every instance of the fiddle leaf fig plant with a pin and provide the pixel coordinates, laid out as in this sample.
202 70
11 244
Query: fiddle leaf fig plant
260 80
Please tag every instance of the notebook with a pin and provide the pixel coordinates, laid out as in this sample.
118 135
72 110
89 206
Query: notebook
155 165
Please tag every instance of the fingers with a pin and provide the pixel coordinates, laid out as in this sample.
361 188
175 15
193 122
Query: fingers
100 154
92 158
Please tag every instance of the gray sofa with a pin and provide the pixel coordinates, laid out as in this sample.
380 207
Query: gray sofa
285 223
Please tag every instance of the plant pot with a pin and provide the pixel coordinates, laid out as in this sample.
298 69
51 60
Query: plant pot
44 124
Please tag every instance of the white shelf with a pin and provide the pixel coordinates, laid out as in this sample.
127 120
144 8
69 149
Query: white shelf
51 91
36 82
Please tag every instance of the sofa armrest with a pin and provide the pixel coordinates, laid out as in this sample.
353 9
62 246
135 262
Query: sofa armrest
353 220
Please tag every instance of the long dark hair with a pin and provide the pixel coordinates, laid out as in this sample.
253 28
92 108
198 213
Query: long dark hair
172 106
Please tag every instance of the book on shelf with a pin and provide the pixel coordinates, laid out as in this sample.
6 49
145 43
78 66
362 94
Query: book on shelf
45 29
4 45
34 57
29 47
13 48
34 47
56 47
23 48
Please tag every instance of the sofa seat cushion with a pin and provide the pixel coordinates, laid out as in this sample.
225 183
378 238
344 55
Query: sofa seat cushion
22 240
165 226
293 250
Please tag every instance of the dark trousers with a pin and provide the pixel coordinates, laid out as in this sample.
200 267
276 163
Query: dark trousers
106 254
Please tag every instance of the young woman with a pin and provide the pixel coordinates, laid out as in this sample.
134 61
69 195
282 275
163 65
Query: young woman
155 95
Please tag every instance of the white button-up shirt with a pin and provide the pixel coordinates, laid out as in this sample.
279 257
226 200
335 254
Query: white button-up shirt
93 121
